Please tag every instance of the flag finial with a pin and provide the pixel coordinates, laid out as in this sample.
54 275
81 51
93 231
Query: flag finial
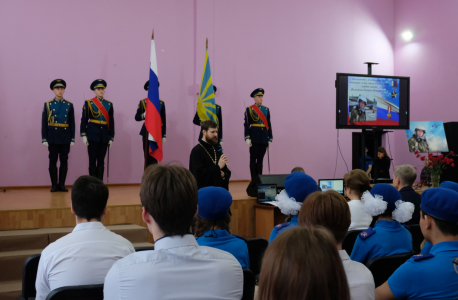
152 36
207 43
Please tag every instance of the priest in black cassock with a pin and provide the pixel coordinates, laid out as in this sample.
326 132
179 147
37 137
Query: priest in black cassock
207 162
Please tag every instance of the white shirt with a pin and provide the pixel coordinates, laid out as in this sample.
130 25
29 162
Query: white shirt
82 257
360 279
177 268
359 218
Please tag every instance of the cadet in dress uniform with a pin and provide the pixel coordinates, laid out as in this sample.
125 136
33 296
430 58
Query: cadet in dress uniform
58 133
388 237
433 275
298 186
258 136
212 224
97 128
197 121
140 116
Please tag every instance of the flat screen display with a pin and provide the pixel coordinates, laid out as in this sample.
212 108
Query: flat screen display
267 192
331 184
365 101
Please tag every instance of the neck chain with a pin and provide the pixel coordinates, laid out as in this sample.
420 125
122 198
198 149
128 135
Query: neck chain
213 160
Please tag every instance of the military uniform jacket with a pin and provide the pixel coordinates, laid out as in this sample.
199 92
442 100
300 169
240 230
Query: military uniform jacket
222 240
58 122
427 276
255 129
284 226
385 239
93 123
357 115
139 117
417 143
198 122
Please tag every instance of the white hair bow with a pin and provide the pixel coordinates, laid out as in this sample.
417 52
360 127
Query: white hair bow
287 205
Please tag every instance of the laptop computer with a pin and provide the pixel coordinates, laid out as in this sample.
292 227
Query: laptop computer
332 184
266 193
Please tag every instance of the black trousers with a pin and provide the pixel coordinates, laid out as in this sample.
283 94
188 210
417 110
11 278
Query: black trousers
149 159
57 151
257 152
97 152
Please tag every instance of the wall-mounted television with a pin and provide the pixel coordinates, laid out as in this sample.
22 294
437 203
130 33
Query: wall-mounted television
372 101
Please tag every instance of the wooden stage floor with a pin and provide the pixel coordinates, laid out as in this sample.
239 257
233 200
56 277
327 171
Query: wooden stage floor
27 208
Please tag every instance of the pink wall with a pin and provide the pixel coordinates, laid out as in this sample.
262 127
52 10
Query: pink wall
430 60
290 48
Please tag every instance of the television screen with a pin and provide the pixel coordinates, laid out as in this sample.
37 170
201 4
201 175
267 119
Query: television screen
331 184
427 136
369 101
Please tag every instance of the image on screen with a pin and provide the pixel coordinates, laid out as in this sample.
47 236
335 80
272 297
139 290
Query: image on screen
267 192
427 136
373 101
336 185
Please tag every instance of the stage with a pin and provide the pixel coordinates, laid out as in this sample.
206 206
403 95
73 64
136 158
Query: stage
37 207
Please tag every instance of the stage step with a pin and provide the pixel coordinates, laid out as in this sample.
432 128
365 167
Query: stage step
10 290
13 240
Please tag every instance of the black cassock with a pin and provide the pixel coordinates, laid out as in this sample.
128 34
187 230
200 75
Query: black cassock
202 165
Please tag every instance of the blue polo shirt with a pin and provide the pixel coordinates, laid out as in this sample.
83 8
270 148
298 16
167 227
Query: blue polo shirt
426 248
390 238
282 227
432 277
222 240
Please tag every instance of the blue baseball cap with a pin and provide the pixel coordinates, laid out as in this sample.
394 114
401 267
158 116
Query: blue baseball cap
449 185
389 194
441 203
214 203
299 185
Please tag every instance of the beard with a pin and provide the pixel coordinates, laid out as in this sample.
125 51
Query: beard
212 141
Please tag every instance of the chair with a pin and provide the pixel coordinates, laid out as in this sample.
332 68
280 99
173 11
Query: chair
417 237
383 267
78 292
256 249
249 283
349 240
29 276
138 249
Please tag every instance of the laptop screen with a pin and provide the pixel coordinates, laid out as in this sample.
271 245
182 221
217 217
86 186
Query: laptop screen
332 184
267 192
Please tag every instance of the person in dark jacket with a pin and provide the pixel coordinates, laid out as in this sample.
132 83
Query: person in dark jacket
383 161
404 178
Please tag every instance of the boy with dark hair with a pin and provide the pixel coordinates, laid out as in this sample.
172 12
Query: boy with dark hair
430 276
177 268
85 255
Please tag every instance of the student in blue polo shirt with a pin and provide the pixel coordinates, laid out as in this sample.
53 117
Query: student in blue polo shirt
212 224
388 237
430 276
298 186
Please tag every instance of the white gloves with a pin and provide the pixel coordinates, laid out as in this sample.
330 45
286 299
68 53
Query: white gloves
269 143
143 115
221 143
110 143
45 144
163 140
248 142
72 143
85 141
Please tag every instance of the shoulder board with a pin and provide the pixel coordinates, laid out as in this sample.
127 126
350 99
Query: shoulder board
265 106
161 100
237 236
218 105
407 227
280 226
68 101
89 101
106 100
422 257
50 101
367 233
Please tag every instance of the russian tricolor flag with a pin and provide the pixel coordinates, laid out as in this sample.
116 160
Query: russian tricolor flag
153 120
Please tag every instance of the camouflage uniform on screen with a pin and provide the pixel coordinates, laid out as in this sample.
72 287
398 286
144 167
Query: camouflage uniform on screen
418 142
358 113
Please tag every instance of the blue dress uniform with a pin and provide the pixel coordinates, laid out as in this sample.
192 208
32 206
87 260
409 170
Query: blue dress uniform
98 130
198 122
385 239
221 239
431 276
260 136
141 109
58 130
284 226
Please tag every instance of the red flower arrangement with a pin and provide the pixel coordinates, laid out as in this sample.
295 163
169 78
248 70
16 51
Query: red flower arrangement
436 165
